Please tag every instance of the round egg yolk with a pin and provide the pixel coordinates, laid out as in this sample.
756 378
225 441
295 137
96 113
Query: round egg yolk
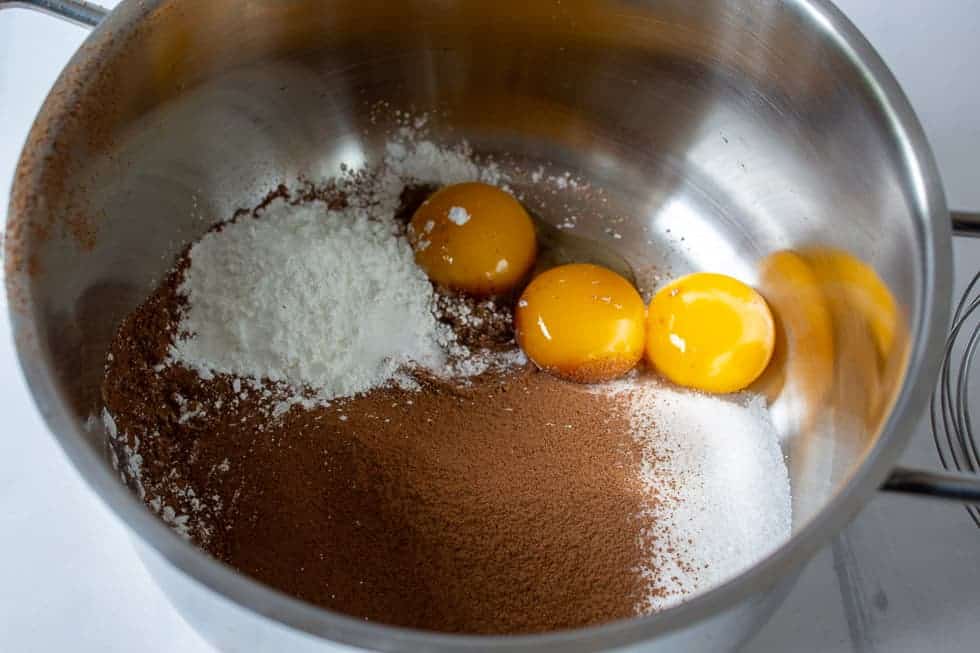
710 332
581 322
473 237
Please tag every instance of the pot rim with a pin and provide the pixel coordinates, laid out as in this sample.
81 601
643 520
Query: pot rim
928 327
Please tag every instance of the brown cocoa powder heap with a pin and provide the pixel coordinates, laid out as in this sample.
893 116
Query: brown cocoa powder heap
508 505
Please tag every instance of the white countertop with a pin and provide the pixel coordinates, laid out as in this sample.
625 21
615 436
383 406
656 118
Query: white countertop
903 577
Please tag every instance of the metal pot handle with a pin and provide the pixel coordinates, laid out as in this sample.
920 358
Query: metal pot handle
943 485
78 12
951 486
965 224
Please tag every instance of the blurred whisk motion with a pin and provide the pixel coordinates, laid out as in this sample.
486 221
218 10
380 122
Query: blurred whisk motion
950 415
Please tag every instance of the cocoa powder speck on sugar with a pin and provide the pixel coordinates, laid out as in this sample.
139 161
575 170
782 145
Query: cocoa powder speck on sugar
510 505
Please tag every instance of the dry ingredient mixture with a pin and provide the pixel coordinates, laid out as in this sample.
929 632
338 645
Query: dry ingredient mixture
297 399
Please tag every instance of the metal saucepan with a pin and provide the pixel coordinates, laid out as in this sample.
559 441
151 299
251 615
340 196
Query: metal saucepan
725 130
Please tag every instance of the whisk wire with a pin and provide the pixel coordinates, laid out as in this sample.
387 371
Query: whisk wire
950 416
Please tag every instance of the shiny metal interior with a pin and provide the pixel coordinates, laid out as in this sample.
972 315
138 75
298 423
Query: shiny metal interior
720 131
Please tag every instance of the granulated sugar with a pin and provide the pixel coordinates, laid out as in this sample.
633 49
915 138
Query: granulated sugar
725 496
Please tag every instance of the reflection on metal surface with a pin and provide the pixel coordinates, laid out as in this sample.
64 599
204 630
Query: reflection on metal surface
561 246
704 240
800 374
853 286
839 337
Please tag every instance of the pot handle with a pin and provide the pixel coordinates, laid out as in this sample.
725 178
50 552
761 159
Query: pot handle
951 486
78 12
965 223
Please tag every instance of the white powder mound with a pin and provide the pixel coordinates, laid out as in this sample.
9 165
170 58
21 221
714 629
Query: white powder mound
408 160
716 465
309 297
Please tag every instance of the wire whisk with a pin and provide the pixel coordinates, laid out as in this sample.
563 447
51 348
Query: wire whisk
950 416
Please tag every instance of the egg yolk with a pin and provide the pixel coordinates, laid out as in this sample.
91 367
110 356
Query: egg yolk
581 322
710 332
473 237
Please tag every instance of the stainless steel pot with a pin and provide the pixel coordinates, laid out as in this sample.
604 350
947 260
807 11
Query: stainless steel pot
724 130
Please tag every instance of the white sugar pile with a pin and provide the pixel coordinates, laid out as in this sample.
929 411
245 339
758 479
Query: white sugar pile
719 474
